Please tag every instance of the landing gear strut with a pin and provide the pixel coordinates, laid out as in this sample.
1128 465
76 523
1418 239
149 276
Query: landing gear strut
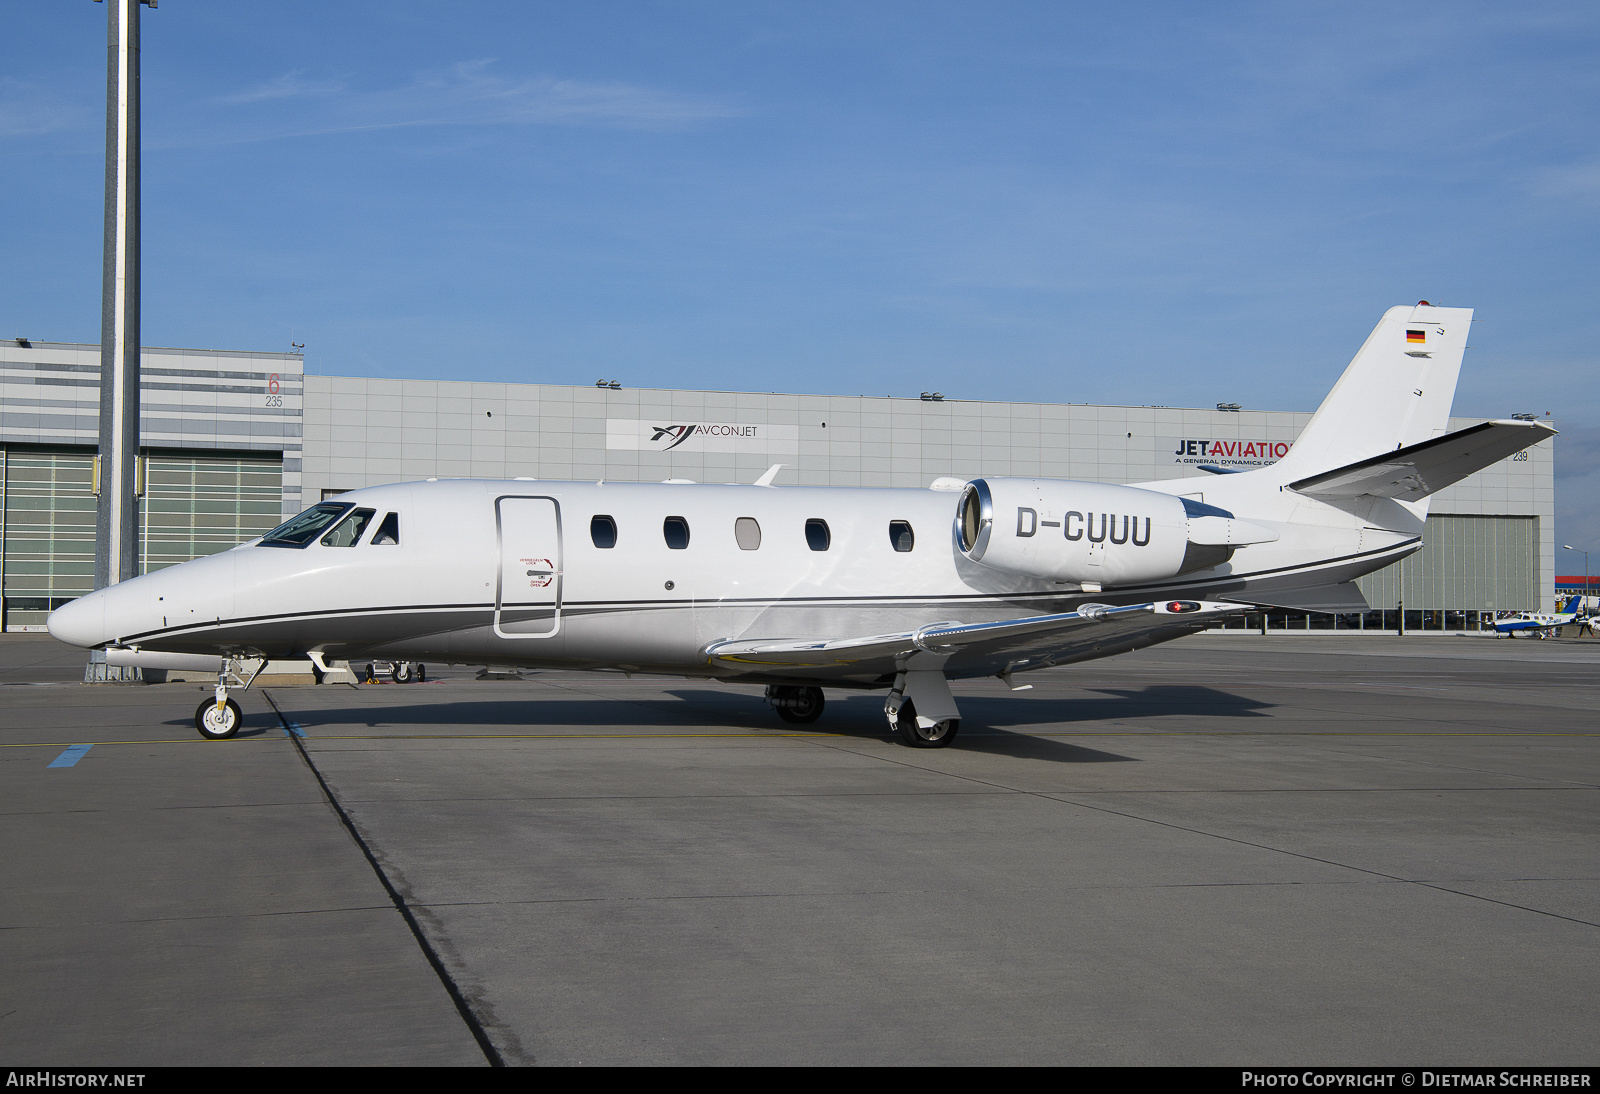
219 718
935 724
796 705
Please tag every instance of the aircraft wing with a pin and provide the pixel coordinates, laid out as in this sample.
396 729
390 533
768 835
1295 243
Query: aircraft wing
1415 471
974 649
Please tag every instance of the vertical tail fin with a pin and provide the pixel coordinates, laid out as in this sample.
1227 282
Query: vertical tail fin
1573 605
1396 391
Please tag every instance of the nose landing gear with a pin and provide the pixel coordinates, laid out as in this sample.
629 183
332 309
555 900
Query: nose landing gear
219 718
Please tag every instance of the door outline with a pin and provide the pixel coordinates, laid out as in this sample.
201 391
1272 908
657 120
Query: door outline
557 564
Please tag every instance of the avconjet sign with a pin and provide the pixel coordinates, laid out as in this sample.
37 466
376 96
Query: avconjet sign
667 434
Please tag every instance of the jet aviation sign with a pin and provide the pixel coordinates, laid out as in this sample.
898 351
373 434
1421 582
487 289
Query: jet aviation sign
666 434
1235 453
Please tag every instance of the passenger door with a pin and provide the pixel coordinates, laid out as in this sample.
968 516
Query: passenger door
527 601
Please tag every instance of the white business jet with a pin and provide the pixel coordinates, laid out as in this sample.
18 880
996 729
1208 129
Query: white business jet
802 588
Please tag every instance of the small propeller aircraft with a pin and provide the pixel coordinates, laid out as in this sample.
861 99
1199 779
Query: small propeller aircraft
1540 624
805 588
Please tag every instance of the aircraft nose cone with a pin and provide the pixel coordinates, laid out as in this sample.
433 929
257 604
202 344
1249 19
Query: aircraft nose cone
82 622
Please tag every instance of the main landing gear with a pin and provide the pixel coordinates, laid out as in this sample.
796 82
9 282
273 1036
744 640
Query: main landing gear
921 709
796 705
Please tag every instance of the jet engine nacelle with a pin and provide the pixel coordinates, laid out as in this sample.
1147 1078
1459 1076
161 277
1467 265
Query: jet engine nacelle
1095 533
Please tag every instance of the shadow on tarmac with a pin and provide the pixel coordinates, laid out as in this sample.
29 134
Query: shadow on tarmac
987 722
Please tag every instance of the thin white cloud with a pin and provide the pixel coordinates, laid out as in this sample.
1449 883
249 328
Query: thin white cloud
290 85
471 93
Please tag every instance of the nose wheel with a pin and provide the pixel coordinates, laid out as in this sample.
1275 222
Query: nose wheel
218 721
219 717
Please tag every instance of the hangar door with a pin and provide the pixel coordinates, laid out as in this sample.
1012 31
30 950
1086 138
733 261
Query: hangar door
527 601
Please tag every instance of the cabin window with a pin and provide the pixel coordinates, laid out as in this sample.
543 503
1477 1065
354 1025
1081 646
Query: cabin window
817 535
901 535
748 533
675 530
388 533
305 527
347 533
603 530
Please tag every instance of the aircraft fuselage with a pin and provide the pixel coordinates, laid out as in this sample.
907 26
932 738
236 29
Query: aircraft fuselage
641 576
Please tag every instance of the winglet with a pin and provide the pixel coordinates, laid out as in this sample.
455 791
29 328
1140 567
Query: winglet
768 475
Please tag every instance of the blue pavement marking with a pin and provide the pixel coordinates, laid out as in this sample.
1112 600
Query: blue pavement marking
72 755
294 729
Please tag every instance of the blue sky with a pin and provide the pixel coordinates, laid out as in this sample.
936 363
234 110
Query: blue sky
1138 203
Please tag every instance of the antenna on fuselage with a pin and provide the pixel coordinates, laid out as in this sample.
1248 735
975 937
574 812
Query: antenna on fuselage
768 475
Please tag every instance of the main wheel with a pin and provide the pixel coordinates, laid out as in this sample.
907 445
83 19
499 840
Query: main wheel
401 673
937 735
422 673
807 708
217 724
372 675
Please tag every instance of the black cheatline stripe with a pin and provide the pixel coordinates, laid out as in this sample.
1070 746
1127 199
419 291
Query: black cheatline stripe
319 613
463 1007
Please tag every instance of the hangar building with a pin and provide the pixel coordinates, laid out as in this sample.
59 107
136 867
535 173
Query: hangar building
236 442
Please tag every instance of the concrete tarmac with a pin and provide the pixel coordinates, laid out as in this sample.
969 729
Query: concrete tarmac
1228 850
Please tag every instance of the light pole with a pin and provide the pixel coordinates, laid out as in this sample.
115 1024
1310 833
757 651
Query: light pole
116 554
1584 603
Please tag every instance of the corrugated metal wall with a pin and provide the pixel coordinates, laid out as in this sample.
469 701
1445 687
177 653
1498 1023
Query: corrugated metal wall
194 504
1467 563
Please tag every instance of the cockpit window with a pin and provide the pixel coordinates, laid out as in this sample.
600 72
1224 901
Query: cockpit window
306 527
388 533
347 533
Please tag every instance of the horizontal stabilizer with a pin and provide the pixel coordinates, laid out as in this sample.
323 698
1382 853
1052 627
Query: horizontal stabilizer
1343 597
976 648
1415 471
